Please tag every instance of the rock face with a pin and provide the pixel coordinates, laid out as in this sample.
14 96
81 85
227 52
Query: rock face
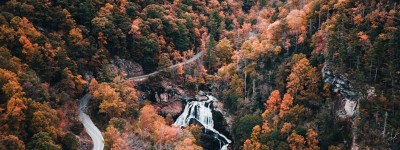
340 85
173 108
166 96
201 96
125 67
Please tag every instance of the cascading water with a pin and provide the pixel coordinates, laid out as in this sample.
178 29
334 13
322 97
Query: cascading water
201 111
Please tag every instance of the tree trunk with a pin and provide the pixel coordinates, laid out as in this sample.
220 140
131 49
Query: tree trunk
327 14
370 69
384 125
245 84
319 20
358 62
254 89
392 82
309 27
354 125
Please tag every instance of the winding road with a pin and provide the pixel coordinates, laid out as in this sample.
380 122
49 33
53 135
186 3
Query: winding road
91 129
144 77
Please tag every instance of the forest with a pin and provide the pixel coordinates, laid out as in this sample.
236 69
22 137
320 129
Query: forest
283 74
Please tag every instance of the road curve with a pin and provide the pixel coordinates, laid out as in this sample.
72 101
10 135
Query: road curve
91 129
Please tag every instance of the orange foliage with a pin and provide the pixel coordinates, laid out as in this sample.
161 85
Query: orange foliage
126 90
287 102
358 19
256 132
180 70
287 126
273 102
77 33
113 139
122 5
28 49
76 81
277 50
16 108
102 38
296 141
254 142
11 142
135 28
165 133
187 144
69 19
247 145
274 33
267 13
25 28
213 4
93 85
77 37
294 20
312 142
302 79
246 29
14 95
169 120
11 88
265 127
320 42
293 84
275 121
106 10
364 38
152 122
111 103
224 51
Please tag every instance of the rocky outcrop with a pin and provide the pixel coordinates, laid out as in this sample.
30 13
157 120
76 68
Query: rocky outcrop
125 67
201 96
173 108
340 85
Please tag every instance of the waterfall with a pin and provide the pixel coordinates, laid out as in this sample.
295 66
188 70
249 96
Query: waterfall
201 111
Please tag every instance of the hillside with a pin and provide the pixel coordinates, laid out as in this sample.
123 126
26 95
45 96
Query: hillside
251 74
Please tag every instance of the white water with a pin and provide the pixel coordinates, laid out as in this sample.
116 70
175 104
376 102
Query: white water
201 111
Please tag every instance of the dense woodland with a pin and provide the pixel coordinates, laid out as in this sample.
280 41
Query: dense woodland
262 59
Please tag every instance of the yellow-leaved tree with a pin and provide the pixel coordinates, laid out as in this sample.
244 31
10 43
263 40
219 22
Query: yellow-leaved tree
110 101
302 82
296 141
272 104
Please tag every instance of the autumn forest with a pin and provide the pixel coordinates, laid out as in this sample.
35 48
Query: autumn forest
199 74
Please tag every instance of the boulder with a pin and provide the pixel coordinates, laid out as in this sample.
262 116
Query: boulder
125 67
